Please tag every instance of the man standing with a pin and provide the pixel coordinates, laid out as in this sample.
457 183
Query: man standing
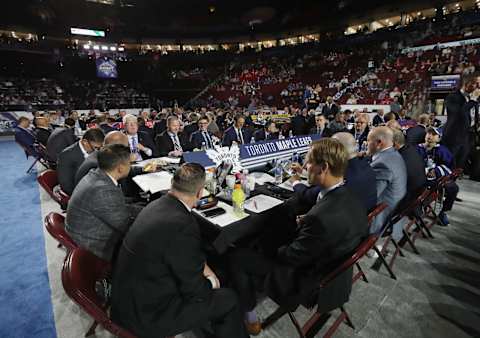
73 156
236 133
141 144
97 215
202 136
390 175
171 142
162 285
330 109
321 127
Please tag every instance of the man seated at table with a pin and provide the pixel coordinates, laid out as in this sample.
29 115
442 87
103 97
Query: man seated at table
72 157
171 142
267 133
42 130
439 162
202 138
325 235
236 133
359 177
97 215
321 127
24 135
61 138
360 132
141 144
162 285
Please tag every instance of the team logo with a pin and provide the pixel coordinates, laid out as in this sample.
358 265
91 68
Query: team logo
225 154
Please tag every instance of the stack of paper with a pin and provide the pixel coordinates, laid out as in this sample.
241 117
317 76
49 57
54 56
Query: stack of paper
287 185
262 178
154 182
227 218
261 203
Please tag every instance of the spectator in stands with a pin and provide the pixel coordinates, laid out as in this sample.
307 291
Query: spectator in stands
72 157
360 132
97 215
162 284
61 138
310 254
141 144
236 133
439 162
202 138
330 109
395 106
42 130
24 135
267 133
416 135
321 127
390 175
171 142
379 119
339 125
213 127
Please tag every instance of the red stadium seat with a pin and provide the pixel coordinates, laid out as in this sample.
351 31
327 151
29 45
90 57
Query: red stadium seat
55 225
49 181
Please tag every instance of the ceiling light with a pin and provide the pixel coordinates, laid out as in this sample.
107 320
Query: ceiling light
104 47
96 47
113 49
86 46
121 49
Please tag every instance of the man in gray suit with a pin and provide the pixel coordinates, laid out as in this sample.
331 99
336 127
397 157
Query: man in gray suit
390 174
98 216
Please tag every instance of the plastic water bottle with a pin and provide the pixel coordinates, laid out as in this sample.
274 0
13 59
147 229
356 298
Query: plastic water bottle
252 140
278 173
245 186
290 134
204 146
281 137
295 158
238 200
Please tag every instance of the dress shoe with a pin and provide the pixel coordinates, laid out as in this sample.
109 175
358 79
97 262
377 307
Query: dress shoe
443 219
253 328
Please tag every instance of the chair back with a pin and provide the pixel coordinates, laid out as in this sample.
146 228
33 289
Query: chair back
81 270
48 180
358 253
55 225
375 212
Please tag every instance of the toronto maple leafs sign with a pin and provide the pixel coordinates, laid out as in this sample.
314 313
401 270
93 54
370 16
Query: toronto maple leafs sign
221 155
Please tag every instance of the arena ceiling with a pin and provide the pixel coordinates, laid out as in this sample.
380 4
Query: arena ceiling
215 20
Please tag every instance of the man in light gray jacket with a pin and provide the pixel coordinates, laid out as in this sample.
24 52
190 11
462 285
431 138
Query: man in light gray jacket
98 216
390 174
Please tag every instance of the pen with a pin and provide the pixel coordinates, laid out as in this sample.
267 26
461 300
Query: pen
255 204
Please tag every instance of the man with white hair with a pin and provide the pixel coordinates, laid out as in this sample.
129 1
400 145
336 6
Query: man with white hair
390 174
141 144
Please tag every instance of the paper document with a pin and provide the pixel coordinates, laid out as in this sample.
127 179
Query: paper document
262 178
171 160
154 182
227 218
288 185
260 203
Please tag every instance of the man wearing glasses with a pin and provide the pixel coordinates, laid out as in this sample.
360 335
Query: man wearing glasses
202 138
73 156
141 144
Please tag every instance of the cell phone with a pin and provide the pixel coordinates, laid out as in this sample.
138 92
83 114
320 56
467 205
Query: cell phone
214 212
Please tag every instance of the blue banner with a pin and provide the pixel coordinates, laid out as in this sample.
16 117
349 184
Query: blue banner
106 68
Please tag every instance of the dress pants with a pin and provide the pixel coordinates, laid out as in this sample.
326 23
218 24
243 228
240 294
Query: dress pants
246 267
451 191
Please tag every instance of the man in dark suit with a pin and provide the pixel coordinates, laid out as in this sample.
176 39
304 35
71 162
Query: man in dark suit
105 123
359 177
202 138
98 216
325 236
299 123
416 135
267 133
60 139
192 125
162 285
379 119
360 132
42 131
321 127
141 144
171 142
23 135
72 157
330 109
237 133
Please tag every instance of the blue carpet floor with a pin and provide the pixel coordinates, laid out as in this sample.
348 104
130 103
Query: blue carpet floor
25 302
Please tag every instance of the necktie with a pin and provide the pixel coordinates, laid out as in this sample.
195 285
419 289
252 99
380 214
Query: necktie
207 139
240 136
134 149
176 143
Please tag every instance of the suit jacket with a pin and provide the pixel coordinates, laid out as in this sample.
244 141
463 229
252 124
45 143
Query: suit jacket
97 215
325 133
230 135
377 120
165 144
189 129
196 140
360 138
106 128
158 287
456 128
391 182
25 138
327 236
416 178
299 125
416 135
42 135
260 135
359 179
145 140
69 160
330 112
60 139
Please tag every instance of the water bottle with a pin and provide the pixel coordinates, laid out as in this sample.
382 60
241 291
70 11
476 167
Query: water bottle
278 173
295 158
290 134
252 140
245 186
238 200
281 137
204 146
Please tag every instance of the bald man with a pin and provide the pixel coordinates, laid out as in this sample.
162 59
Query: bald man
390 175
42 130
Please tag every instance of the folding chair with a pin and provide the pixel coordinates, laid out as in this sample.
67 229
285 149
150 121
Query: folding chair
318 320
29 152
42 152
55 225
